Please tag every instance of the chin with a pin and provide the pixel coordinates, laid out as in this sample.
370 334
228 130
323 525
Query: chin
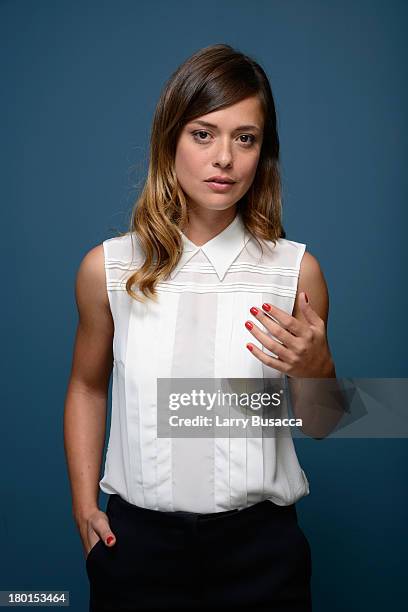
219 206
208 205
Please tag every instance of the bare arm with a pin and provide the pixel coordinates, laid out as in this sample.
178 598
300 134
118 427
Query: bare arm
317 401
86 397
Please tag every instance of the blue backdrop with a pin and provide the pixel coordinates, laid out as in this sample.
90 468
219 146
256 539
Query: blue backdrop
81 80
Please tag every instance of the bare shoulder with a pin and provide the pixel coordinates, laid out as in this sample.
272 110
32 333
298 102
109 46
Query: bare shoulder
309 267
93 352
312 281
91 279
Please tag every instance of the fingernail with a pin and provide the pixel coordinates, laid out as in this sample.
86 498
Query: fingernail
254 310
109 539
266 307
250 347
306 298
248 325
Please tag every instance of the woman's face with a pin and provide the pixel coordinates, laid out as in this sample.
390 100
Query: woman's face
230 147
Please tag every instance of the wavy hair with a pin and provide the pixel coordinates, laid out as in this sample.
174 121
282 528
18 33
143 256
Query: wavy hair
212 78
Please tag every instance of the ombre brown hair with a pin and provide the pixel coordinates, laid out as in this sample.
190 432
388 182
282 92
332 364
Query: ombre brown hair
212 78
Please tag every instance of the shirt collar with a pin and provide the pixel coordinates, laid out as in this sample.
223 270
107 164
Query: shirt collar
221 250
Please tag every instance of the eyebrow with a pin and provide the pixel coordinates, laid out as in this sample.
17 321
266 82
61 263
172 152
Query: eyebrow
212 125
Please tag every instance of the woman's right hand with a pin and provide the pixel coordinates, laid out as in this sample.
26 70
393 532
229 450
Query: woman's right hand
96 527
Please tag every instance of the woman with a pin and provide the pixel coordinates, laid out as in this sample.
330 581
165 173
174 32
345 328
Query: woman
203 286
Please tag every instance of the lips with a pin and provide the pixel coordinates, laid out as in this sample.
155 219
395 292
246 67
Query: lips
220 187
219 179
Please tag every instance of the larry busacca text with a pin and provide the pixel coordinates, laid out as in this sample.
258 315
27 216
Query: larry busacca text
217 421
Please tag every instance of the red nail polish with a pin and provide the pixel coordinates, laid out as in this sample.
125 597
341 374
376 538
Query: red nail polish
254 311
248 325
266 307
250 347
109 539
306 298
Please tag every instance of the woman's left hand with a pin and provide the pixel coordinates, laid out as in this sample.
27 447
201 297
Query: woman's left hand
304 351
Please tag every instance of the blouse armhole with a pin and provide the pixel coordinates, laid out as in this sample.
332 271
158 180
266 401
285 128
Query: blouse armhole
301 248
107 277
300 253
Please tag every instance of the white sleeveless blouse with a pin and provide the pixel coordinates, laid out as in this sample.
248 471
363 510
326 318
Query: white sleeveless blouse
196 329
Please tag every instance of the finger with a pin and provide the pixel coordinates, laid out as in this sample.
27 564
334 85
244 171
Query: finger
269 343
310 315
268 360
285 337
105 533
293 325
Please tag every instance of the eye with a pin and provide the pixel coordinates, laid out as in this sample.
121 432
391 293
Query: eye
195 134
251 142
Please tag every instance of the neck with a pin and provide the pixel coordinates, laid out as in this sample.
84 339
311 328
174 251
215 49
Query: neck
204 225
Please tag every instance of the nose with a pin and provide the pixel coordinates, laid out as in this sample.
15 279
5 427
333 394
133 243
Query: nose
223 156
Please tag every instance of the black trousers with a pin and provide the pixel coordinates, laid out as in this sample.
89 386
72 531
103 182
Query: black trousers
257 558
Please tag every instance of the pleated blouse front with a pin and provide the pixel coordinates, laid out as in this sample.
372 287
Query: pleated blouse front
196 330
